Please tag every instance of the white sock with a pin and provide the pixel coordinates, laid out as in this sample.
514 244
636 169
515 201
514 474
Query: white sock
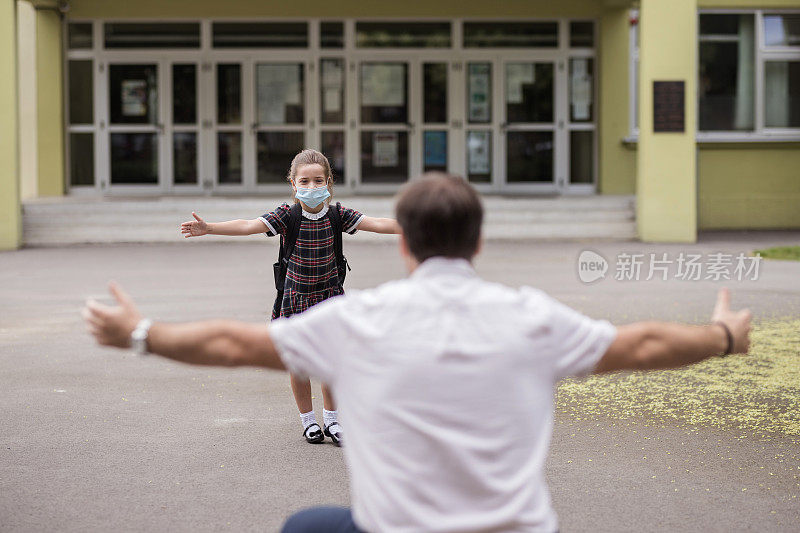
308 419
329 417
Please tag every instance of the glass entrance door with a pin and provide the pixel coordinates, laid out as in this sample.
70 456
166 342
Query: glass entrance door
384 126
332 115
481 123
182 128
135 126
513 124
529 125
280 118
435 115
228 126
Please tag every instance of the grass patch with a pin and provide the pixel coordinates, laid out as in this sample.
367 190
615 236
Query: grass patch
786 253
759 392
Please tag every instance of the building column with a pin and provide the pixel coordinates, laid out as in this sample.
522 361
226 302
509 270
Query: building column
49 100
617 163
10 210
666 181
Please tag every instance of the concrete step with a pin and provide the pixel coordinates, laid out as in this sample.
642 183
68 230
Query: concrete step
78 220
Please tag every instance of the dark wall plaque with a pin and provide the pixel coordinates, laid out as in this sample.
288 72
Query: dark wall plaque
668 106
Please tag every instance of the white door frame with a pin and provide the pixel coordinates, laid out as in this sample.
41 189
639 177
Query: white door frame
307 128
560 153
103 110
207 57
414 59
170 128
499 123
164 126
357 127
213 128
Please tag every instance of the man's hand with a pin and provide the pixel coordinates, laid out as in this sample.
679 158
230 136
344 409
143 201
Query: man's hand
112 325
194 228
738 322
212 342
655 345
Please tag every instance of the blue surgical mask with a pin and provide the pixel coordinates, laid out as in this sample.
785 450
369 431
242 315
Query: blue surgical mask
313 197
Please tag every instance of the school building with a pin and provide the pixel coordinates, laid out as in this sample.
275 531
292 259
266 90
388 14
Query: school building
693 106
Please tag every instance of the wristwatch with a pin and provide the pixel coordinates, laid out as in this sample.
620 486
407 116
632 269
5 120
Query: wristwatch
139 336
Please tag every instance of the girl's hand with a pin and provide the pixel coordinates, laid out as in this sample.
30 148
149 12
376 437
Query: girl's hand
194 228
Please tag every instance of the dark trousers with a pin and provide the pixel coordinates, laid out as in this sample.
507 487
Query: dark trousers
321 520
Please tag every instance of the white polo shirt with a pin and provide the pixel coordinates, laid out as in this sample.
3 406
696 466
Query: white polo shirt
445 385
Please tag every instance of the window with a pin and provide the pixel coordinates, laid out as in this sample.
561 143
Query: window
79 35
581 34
152 34
331 34
781 70
511 34
781 30
745 85
259 34
782 94
633 73
748 79
81 91
403 34
725 82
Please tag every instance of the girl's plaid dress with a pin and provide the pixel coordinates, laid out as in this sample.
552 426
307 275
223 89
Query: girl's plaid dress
311 276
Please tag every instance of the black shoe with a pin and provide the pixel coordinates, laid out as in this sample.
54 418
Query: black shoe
336 435
313 434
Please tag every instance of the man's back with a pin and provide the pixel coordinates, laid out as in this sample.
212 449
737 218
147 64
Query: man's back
445 383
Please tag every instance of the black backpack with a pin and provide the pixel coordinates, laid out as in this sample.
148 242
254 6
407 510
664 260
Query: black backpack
287 249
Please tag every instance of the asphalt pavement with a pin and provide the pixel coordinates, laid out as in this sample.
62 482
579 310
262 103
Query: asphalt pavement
93 439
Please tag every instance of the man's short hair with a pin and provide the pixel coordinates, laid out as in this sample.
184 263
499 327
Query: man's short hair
441 215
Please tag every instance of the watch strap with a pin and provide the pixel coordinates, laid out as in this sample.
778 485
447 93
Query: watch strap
139 336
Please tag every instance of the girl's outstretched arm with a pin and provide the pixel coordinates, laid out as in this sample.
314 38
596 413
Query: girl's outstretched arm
379 225
198 227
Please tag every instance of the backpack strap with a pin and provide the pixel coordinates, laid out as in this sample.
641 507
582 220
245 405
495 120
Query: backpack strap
288 240
292 231
335 216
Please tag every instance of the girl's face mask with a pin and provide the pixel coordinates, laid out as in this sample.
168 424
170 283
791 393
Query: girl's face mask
313 197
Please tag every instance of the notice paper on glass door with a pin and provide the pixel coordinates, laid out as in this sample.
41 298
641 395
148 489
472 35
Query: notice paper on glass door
384 149
581 89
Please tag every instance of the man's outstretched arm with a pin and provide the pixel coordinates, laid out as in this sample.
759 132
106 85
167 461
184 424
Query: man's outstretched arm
655 345
213 342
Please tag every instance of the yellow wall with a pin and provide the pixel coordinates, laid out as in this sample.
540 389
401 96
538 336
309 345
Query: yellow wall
49 103
333 9
617 169
10 211
666 171
749 186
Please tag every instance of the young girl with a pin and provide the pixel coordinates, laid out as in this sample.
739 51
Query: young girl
312 273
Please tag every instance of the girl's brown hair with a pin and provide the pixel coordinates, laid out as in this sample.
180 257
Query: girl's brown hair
310 157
